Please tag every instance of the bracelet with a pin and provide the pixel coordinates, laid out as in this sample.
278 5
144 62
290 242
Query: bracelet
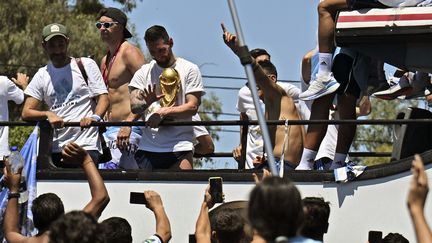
96 117
13 195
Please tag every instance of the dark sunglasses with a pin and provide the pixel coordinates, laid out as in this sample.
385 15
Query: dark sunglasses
106 25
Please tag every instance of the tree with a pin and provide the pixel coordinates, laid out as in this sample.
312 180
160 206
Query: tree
378 138
21 38
209 110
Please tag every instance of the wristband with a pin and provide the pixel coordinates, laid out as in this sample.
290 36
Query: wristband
13 195
96 117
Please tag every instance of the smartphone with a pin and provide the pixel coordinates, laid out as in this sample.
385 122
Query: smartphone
192 238
375 236
216 189
137 198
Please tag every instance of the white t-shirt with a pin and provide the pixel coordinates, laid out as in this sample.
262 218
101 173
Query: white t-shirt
168 138
254 144
199 130
67 94
8 91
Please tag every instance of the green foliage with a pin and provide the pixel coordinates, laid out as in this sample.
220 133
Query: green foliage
378 138
19 135
209 110
21 38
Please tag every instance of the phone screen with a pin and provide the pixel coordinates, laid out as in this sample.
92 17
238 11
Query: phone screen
137 198
375 236
216 189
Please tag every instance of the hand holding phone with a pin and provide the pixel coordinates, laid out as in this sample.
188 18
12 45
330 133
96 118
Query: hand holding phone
215 191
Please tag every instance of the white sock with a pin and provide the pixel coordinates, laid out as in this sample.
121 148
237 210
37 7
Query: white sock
338 161
325 63
307 159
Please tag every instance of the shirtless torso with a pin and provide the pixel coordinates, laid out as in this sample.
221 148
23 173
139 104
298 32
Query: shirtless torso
118 72
281 107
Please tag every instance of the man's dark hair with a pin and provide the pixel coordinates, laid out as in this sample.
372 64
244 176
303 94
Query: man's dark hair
394 238
268 67
155 33
46 209
258 52
316 217
117 230
76 226
275 208
229 225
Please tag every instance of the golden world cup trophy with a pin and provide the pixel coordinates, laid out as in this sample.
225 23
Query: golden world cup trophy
169 86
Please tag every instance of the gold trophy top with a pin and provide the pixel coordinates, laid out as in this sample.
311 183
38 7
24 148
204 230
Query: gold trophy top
169 85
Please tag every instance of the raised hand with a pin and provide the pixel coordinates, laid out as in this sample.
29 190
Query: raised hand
149 94
21 80
230 39
73 153
419 185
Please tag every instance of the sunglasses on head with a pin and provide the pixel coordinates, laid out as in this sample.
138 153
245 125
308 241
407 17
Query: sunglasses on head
106 25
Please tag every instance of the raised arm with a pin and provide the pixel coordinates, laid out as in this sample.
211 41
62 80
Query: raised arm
154 203
11 218
416 200
203 227
73 153
270 87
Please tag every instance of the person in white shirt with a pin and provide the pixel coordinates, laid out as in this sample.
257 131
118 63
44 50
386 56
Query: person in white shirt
180 82
11 90
70 97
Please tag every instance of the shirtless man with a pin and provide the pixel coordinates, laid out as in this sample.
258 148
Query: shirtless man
278 106
118 67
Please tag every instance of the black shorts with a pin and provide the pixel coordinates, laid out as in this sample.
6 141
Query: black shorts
359 4
161 160
342 71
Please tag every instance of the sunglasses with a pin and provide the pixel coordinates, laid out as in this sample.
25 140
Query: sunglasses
106 25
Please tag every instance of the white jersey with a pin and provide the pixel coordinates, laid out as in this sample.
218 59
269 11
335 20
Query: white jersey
125 158
67 94
8 91
168 138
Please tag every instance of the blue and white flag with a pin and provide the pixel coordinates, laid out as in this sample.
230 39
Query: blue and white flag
29 153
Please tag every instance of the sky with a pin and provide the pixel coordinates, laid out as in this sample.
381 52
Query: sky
285 28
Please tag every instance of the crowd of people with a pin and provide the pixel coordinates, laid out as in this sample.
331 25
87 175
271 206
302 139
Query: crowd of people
275 212
126 88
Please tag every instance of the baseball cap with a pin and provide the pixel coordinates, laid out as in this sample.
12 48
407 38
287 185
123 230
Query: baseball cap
52 30
117 15
258 52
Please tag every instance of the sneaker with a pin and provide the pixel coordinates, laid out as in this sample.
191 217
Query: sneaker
319 87
398 87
